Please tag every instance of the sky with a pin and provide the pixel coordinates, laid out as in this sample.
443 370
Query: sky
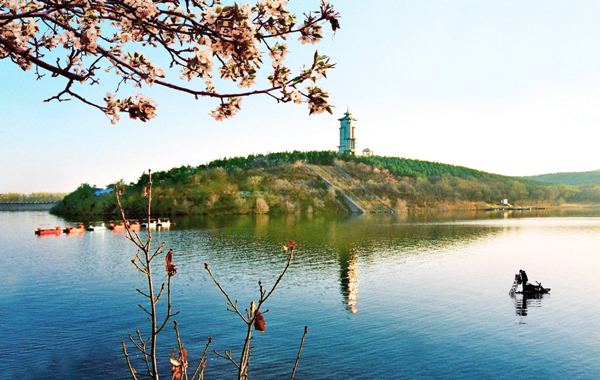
507 87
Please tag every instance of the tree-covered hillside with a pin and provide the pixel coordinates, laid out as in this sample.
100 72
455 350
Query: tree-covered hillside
288 182
573 179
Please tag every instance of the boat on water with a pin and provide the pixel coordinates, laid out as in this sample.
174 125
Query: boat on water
526 288
97 226
135 225
122 226
154 223
48 231
112 226
151 224
74 230
535 289
163 222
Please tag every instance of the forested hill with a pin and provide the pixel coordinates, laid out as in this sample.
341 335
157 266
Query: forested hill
573 179
301 182
402 167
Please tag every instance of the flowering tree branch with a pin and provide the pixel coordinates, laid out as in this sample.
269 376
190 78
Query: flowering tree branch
79 39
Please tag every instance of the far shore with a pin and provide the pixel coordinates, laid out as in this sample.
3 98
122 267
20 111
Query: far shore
27 206
482 206
439 207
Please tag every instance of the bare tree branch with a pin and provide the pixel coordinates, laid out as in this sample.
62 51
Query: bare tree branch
299 352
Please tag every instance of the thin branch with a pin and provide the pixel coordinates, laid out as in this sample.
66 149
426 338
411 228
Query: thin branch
299 352
146 355
25 54
138 267
140 347
146 311
231 303
158 250
180 346
169 315
227 356
139 264
131 369
132 235
202 362
287 266
162 288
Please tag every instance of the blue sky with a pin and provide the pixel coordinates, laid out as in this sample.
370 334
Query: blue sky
508 87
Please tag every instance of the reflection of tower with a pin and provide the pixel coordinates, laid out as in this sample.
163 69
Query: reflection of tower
349 278
347 140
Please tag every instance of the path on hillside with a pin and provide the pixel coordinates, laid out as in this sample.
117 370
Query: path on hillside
357 197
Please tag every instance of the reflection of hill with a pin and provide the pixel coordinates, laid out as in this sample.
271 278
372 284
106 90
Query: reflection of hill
324 236
331 250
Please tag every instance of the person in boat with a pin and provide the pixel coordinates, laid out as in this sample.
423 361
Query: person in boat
524 279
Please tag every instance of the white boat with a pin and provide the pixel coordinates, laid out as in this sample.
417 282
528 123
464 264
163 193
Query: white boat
164 223
154 223
97 226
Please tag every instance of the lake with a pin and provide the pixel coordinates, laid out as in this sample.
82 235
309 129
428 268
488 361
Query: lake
383 296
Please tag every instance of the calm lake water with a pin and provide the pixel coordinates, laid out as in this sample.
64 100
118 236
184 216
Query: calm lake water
384 297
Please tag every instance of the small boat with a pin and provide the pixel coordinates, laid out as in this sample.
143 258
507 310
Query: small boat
165 223
526 288
48 231
73 230
117 227
135 225
122 226
152 224
535 289
97 226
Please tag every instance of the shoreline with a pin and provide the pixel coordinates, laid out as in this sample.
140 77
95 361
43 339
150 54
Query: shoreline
27 206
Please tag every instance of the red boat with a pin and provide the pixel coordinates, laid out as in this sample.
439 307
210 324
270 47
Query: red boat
72 230
121 226
48 231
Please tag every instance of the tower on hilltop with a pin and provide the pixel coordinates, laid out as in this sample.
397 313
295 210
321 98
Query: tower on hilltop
347 139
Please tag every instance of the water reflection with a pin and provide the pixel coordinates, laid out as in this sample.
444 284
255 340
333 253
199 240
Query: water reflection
349 278
325 244
524 301
415 305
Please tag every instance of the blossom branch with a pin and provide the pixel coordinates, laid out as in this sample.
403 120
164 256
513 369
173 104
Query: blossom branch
193 37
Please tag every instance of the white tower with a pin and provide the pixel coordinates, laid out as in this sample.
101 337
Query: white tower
347 140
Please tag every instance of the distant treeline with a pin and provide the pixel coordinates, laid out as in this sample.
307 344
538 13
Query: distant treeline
280 183
573 179
31 198
398 166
